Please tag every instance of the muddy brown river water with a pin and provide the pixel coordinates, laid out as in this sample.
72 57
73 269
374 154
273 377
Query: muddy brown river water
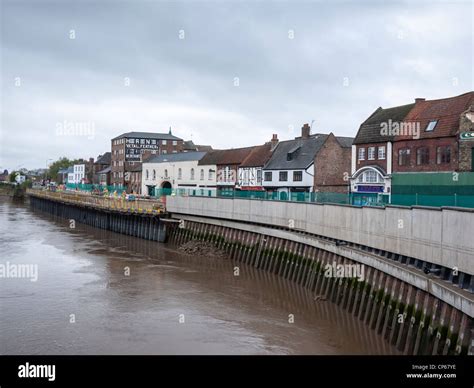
99 292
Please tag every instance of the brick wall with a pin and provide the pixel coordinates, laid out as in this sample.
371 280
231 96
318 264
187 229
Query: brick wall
376 162
432 145
332 167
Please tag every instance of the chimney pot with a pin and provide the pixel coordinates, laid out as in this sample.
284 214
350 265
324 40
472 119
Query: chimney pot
305 131
274 141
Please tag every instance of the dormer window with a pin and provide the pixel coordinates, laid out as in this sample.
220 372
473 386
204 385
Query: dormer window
431 126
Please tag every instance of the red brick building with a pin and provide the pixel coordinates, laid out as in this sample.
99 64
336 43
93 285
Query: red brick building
437 145
332 165
129 150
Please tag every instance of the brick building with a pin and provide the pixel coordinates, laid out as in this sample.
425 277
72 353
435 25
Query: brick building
371 159
426 147
332 165
101 169
130 149
440 160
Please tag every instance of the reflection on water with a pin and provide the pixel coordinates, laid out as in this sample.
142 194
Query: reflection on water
170 303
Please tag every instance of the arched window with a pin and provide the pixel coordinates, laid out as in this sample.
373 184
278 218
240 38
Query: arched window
192 174
180 173
202 174
154 174
166 173
370 176
147 174
210 174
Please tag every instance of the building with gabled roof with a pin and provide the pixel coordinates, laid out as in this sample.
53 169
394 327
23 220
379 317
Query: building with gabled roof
227 163
309 163
250 171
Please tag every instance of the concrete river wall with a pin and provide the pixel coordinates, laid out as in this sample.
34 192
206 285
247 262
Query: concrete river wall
416 288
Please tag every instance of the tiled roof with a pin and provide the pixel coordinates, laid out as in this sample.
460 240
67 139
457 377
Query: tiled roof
148 135
230 156
345 142
258 156
104 159
304 152
189 145
177 157
370 129
446 111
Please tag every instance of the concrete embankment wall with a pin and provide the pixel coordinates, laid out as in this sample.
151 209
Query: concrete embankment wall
441 236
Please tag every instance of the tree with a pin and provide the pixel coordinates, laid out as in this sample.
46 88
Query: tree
60 164
12 176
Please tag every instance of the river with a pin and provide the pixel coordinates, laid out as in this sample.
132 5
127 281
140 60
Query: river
98 292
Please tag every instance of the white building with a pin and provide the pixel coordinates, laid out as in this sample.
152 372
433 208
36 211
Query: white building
178 171
291 166
77 174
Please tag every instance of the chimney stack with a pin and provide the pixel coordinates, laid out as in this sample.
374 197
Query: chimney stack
305 131
274 141
419 100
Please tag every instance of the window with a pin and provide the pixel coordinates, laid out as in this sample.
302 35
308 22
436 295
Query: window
165 152
297 176
192 174
403 157
267 176
147 174
166 173
211 175
381 155
202 174
180 173
371 153
422 155
175 142
154 174
259 176
443 154
370 176
431 125
283 176
361 153
163 142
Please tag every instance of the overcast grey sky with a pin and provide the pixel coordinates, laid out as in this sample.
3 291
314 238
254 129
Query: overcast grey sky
225 73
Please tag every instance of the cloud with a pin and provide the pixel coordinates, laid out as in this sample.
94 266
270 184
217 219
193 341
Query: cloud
332 62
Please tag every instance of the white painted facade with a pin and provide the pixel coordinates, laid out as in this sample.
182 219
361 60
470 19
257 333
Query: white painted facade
306 182
179 175
372 179
78 174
